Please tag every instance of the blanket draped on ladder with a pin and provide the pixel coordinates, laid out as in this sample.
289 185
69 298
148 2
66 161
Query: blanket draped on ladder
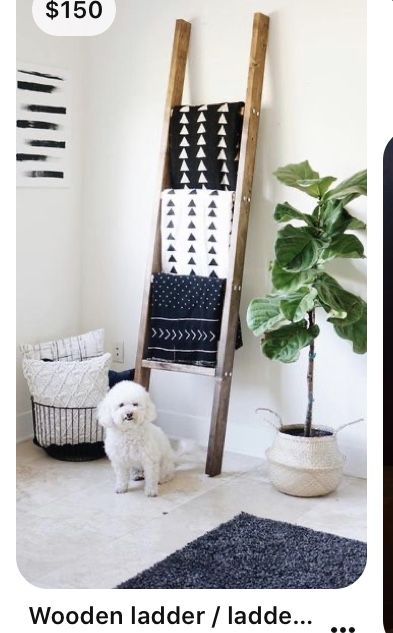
187 298
195 230
204 145
185 319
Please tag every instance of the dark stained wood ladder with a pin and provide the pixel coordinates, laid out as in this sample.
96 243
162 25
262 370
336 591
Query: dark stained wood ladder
226 349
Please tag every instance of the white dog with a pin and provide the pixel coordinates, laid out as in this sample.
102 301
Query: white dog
136 447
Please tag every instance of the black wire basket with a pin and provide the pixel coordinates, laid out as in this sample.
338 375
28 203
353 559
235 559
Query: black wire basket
68 433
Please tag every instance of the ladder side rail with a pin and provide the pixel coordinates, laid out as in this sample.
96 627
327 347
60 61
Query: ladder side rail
231 306
174 97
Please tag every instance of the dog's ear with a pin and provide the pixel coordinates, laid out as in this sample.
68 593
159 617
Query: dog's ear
104 416
151 411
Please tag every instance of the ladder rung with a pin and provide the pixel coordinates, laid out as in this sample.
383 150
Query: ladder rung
191 369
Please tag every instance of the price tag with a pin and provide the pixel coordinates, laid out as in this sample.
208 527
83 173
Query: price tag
74 17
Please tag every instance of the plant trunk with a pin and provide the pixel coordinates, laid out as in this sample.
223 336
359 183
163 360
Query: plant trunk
310 379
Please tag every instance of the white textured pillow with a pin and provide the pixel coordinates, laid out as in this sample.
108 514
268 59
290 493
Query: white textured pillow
72 384
80 347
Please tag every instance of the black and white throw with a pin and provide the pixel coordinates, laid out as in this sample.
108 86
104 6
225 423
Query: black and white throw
185 318
204 145
195 231
42 127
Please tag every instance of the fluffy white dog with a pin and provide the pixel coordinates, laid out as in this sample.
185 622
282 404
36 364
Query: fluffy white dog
136 447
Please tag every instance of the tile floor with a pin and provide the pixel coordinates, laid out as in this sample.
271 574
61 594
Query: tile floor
73 531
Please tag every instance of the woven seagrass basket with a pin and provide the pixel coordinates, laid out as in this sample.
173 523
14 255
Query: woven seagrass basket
305 466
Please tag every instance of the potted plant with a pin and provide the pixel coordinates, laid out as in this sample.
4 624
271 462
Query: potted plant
304 459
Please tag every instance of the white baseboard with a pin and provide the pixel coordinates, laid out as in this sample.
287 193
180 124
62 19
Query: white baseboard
24 426
247 440
251 440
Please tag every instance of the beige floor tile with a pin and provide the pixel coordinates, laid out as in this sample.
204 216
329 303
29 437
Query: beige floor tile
28 452
45 545
344 512
44 479
74 531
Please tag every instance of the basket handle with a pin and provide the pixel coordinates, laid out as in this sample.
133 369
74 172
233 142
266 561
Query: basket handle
343 426
270 422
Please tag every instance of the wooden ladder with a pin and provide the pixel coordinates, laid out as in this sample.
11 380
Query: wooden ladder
226 349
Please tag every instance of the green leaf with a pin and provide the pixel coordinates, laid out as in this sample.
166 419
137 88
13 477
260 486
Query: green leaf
349 189
286 212
289 281
343 245
264 314
296 249
355 332
339 303
286 343
293 174
334 218
316 187
301 176
296 305
355 224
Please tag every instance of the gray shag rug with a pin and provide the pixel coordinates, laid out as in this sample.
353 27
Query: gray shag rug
252 553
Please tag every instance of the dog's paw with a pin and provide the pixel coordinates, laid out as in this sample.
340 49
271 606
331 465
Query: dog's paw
121 489
151 491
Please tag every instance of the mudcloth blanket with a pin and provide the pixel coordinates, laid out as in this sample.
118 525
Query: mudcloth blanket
204 145
195 231
186 318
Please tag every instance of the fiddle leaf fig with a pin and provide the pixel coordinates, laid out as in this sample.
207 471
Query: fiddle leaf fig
343 246
286 212
296 248
285 319
356 332
264 314
316 187
286 343
291 174
337 302
296 305
355 224
290 281
335 219
349 189
302 176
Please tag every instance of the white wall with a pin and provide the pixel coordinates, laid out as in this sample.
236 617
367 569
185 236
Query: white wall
49 220
313 107
82 250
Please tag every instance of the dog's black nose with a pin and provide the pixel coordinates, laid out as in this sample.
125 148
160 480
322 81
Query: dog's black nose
129 416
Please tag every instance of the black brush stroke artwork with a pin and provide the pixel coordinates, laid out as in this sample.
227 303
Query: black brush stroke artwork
39 125
41 114
46 109
39 143
45 174
37 74
35 87
38 157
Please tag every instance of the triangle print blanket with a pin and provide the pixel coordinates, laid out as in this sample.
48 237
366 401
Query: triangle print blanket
195 231
204 145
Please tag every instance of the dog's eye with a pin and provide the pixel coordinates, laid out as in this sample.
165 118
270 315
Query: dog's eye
121 405
134 404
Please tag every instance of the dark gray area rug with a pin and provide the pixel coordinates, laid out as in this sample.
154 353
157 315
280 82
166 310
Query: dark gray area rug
252 553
